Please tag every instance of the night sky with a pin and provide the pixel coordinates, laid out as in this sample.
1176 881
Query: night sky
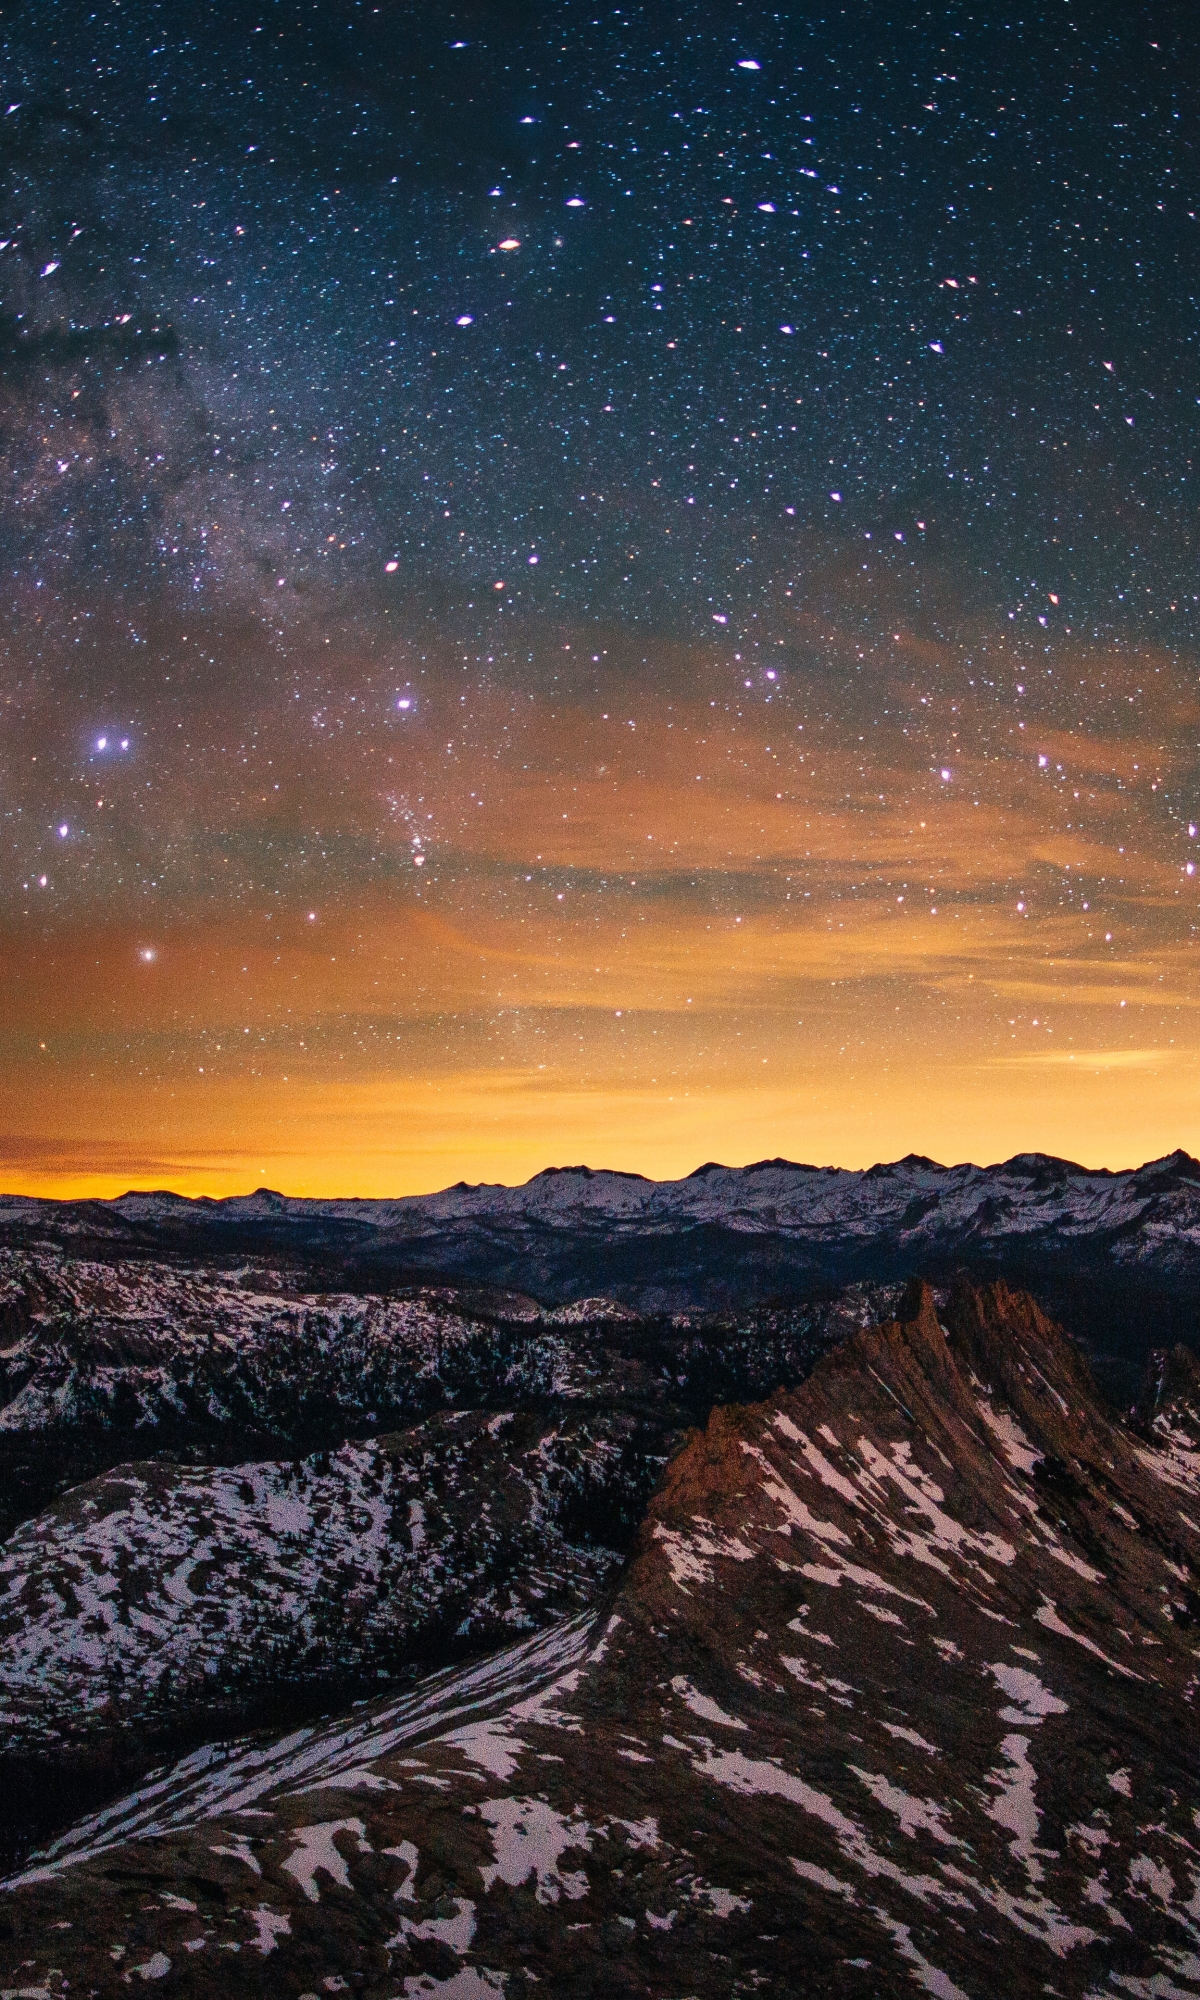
611 585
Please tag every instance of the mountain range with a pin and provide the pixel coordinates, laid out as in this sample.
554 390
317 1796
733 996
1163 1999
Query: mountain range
735 1585
834 1220
894 1693
1100 1248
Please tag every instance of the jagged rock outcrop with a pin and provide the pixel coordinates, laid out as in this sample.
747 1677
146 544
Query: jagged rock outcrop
897 1694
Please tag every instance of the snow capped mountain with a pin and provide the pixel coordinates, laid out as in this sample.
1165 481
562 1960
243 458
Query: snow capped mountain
1030 1191
896 1695
819 1217
780 1192
915 1202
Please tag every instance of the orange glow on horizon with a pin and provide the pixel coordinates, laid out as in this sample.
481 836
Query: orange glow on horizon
383 1140
726 921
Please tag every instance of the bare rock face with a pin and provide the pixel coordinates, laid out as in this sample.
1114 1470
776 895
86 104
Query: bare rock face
897 1694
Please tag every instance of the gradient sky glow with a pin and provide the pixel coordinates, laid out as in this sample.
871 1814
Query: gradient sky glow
715 679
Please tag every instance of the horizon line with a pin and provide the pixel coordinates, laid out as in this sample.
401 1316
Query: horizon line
1177 1154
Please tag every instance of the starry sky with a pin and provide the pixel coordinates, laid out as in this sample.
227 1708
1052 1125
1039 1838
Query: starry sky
594 584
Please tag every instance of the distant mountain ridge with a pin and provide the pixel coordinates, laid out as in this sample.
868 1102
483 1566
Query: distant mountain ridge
1033 1190
1105 1250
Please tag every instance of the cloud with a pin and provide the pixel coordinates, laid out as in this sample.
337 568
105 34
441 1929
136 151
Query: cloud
1097 1060
51 1156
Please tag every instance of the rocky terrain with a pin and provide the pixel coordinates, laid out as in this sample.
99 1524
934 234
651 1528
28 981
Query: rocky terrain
895 1693
230 1502
109 1358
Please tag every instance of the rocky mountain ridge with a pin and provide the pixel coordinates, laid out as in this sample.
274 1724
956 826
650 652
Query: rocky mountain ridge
897 1688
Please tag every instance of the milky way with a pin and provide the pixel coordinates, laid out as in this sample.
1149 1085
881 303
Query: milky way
594 584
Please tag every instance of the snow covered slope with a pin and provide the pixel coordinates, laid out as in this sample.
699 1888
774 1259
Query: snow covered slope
157 1597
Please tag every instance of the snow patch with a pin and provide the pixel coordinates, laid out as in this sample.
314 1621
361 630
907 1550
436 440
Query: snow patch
316 1854
1022 1455
1047 1615
269 1925
529 1838
1031 1702
156 1966
1016 1808
471 1982
456 1931
689 1556
490 1745
703 1705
